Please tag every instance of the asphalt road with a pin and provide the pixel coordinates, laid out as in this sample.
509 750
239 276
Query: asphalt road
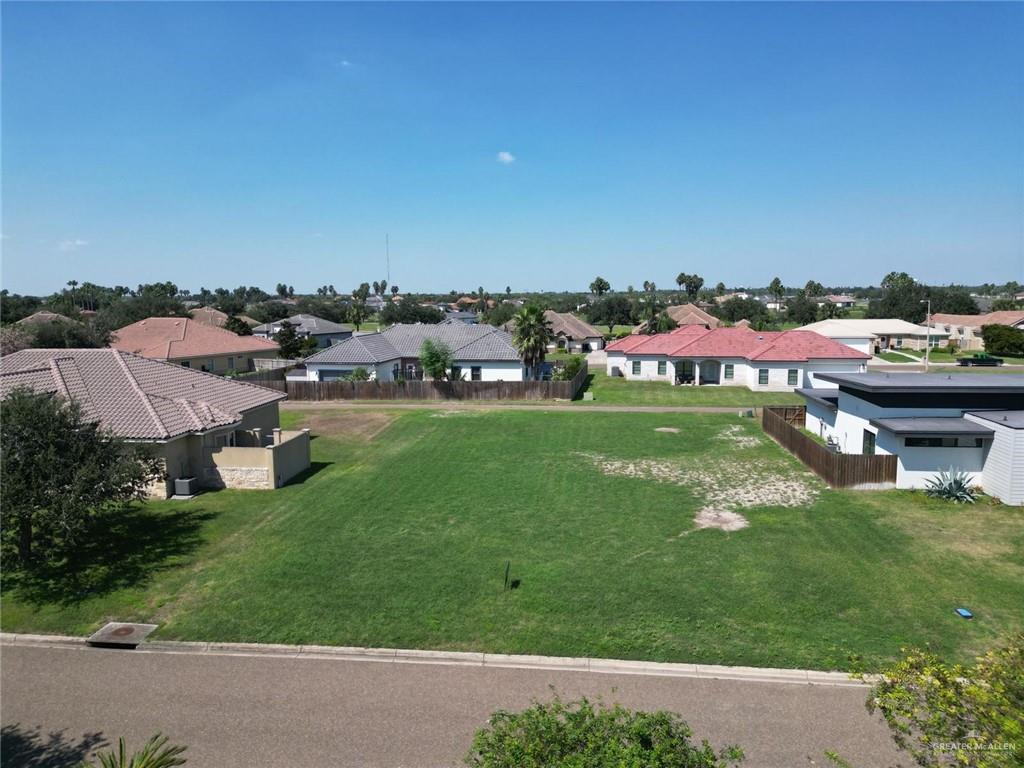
278 711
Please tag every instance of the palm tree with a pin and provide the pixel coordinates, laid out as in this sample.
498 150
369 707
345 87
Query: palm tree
531 337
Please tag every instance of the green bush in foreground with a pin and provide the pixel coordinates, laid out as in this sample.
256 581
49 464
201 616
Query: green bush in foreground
952 715
581 735
156 753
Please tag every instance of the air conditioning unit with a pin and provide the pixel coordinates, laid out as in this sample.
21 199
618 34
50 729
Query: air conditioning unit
186 486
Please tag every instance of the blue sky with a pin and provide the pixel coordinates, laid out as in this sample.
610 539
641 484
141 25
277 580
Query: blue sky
227 144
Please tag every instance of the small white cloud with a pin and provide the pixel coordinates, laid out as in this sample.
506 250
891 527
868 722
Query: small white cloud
506 158
67 246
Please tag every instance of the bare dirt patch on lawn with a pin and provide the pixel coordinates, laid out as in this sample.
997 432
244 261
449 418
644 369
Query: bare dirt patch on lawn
736 435
725 485
666 429
361 426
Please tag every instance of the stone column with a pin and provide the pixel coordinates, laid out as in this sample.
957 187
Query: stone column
696 373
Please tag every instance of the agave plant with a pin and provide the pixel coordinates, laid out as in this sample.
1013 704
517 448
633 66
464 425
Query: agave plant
951 485
155 754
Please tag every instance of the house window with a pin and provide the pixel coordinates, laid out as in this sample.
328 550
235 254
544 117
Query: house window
729 370
793 377
636 367
476 373
868 446
762 376
231 363
662 367
942 442
897 341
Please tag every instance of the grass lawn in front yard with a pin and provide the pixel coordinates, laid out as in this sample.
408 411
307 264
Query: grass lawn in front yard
401 534
617 390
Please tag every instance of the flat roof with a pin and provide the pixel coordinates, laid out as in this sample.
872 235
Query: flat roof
1011 419
934 426
826 397
927 382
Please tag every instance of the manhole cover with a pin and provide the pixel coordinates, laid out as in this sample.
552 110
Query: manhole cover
118 634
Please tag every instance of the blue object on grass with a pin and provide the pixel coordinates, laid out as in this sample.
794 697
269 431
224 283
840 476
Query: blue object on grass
964 613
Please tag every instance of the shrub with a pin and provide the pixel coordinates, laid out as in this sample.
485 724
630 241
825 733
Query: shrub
1003 340
156 753
359 374
951 715
953 485
568 371
580 734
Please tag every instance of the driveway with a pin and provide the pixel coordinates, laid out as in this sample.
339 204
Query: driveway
276 710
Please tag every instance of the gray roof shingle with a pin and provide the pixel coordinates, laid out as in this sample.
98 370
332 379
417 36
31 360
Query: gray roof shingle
135 397
467 342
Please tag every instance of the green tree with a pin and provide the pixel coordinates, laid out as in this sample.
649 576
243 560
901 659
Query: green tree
436 359
801 309
358 312
690 283
777 289
59 472
14 338
289 341
720 289
394 290
736 309
953 300
237 326
581 735
600 286
902 297
954 715
1003 340
814 289
282 290
508 290
68 334
610 311
14 307
359 374
409 312
664 323
532 336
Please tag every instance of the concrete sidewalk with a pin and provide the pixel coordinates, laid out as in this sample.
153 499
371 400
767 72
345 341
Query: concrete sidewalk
456 405
285 709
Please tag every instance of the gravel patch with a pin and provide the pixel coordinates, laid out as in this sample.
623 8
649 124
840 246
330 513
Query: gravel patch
736 435
666 429
726 485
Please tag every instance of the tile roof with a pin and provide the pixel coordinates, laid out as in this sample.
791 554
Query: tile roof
467 342
766 346
177 338
866 328
1002 317
44 316
570 326
135 397
306 324
686 314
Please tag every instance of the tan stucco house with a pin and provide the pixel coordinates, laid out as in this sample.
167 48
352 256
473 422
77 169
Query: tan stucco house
219 432
192 344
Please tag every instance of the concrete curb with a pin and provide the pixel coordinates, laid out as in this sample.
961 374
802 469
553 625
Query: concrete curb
460 658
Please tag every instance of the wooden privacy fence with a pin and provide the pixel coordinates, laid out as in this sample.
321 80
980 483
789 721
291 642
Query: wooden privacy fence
839 470
431 390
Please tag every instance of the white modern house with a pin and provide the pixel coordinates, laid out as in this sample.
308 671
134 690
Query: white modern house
931 422
879 334
480 353
325 332
739 356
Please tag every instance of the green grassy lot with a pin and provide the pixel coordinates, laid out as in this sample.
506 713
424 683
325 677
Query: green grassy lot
402 540
894 357
616 390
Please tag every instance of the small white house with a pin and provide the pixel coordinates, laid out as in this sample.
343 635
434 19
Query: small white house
480 353
932 422
739 356
879 334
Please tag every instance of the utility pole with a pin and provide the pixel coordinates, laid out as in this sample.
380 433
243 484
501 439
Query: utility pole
928 332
